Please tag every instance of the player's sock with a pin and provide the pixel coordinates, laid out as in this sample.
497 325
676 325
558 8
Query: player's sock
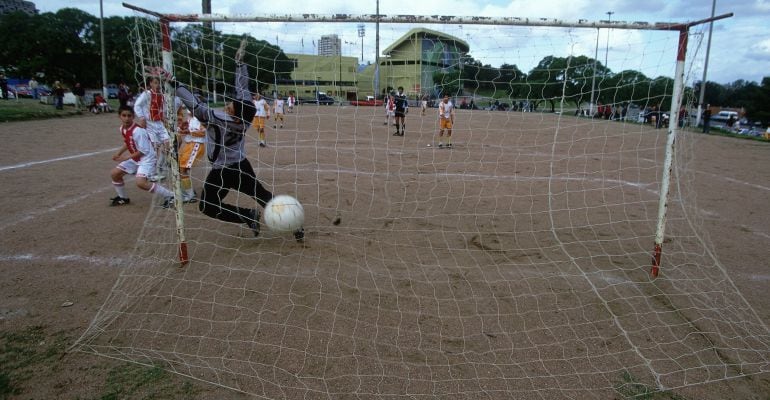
120 189
157 188
403 128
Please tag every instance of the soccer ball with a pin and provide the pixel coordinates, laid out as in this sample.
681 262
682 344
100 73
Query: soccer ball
284 214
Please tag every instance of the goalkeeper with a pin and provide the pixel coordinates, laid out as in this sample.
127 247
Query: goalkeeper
225 148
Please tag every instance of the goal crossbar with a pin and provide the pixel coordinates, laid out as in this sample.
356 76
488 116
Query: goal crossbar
429 19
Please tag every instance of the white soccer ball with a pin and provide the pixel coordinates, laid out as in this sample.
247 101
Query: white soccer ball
284 214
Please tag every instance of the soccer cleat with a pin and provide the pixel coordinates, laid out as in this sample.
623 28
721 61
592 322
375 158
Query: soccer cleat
119 201
449 146
299 235
253 222
273 126
190 200
441 145
397 133
168 202
262 144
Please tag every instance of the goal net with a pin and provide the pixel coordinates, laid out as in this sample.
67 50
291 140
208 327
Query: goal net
515 264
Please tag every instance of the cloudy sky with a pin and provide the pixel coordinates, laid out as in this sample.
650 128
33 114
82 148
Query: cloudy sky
740 47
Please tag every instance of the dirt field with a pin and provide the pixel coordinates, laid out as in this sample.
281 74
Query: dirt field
512 266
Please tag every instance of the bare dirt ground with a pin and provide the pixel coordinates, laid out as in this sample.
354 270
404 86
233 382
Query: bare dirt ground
395 266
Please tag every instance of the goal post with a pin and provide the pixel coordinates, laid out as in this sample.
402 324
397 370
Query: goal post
513 264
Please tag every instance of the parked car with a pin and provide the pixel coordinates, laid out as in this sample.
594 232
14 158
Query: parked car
24 91
370 101
112 91
320 98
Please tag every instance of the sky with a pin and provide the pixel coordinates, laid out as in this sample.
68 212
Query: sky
740 45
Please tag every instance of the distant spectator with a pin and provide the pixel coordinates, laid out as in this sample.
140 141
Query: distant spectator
707 119
33 86
58 92
79 92
4 86
123 94
731 121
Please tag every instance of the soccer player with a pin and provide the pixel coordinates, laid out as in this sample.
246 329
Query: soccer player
390 109
401 109
226 150
262 114
191 136
149 108
136 156
278 110
424 104
446 115
291 101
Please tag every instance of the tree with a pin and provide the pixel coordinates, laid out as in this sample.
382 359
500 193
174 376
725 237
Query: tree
570 78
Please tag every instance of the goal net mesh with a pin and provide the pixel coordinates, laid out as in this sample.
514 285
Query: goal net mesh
514 265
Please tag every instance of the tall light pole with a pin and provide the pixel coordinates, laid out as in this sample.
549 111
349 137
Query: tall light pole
593 78
361 34
104 55
607 50
377 54
705 67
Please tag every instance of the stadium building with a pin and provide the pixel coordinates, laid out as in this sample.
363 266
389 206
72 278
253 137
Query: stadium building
410 61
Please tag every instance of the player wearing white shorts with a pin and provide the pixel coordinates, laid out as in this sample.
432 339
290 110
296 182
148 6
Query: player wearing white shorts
278 110
290 102
136 157
149 108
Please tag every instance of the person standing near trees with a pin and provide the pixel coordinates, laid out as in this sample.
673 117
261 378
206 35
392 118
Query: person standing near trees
79 92
4 86
123 94
707 119
33 85
58 93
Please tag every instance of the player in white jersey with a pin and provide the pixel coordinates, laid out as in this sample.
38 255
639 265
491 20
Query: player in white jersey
191 136
149 109
262 115
291 101
446 115
278 110
136 156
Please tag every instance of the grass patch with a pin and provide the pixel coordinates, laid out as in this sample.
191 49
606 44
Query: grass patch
30 353
630 388
29 109
140 382
22 354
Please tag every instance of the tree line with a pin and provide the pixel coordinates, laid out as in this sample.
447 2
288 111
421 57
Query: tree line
66 46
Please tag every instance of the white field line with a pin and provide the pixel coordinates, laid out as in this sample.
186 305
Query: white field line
733 180
108 261
36 213
52 160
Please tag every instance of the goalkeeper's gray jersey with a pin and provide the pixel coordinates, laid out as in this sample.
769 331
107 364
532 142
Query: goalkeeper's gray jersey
225 134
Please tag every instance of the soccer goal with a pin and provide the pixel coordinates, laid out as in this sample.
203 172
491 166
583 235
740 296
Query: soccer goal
514 264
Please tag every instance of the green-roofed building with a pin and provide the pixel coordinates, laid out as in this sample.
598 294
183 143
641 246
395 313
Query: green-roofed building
411 62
